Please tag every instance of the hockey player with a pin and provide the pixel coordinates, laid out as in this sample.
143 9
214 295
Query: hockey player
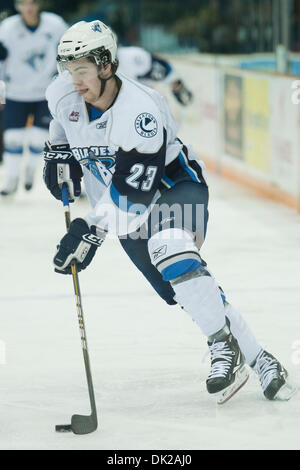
28 43
148 188
141 65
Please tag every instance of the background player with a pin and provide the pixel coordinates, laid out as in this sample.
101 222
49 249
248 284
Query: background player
148 188
139 64
28 43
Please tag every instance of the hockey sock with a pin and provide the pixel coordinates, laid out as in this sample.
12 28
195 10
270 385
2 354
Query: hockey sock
246 339
12 167
200 298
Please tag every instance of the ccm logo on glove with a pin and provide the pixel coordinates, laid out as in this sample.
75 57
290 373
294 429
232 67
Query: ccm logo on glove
89 237
61 167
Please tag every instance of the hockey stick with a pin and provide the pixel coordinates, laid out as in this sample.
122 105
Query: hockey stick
80 424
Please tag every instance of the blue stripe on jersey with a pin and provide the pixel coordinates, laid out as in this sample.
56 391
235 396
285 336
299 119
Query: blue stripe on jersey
167 181
179 268
187 168
18 150
122 202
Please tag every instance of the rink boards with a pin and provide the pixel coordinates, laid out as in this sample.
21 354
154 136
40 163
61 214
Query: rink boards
245 125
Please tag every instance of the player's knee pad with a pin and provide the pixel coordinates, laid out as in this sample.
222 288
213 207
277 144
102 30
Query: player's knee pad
13 140
37 138
174 254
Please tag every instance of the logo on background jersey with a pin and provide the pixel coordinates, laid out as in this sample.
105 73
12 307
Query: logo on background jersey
74 116
146 125
35 60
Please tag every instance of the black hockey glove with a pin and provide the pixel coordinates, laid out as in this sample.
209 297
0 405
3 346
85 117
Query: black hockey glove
181 93
61 167
3 52
79 244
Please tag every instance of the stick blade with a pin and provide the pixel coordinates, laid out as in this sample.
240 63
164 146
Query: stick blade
81 424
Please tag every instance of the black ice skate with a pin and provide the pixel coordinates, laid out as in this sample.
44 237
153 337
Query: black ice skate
28 186
273 377
228 370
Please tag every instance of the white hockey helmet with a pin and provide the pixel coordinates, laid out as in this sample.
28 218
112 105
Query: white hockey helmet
88 40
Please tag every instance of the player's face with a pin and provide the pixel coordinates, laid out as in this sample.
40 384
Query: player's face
85 79
29 9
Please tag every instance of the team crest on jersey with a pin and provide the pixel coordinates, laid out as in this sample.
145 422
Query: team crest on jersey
74 116
146 125
98 160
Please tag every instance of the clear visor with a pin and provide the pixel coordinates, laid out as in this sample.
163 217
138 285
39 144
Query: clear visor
78 70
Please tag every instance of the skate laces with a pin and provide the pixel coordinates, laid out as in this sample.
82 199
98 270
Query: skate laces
221 359
267 369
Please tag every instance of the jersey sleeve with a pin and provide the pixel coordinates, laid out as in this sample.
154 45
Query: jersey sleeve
51 98
57 90
56 133
160 70
54 93
134 61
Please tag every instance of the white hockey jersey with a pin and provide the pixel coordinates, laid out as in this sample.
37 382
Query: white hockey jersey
124 152
31 62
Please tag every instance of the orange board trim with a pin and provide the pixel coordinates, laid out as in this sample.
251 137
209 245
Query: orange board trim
262 188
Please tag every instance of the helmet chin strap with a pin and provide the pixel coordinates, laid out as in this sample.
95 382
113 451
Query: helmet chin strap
103 83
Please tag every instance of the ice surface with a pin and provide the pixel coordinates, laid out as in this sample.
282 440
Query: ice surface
146 357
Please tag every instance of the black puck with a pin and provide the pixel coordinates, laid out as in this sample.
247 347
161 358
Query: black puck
63 428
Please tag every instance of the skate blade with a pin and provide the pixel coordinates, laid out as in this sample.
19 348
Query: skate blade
241 378
286 391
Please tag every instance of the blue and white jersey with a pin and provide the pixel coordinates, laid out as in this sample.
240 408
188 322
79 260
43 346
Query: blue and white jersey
124 152
31 55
